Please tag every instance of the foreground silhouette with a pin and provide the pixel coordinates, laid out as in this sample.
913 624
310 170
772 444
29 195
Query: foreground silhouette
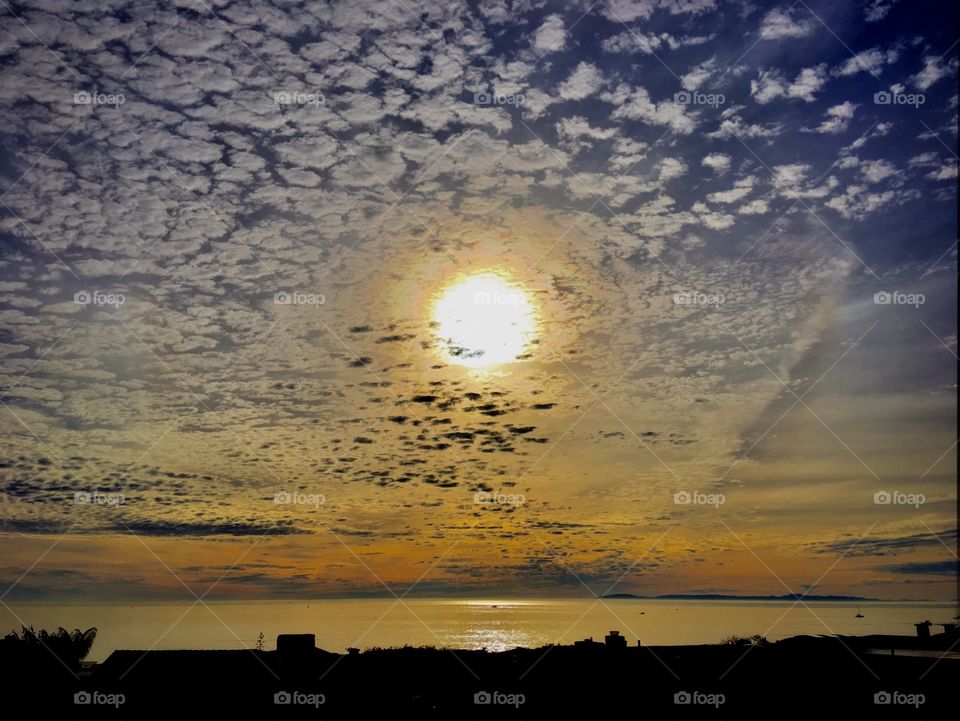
868 676
40 648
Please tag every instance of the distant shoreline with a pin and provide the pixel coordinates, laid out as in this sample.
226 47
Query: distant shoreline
724 597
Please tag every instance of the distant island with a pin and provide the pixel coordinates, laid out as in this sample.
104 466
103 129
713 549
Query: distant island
725 597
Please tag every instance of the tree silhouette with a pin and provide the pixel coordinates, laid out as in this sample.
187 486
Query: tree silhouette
70 647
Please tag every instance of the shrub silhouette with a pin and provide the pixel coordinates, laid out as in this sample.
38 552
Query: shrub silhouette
70 647
754 640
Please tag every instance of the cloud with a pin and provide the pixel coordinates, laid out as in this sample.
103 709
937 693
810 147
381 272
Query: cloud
712 219
634 103
923 160
877 131
627 153
734 126
875 171
200 528
790 175
583 82
779 24
947 171
626 11
740 190
578 131
718 162
771 84
754 207
892 544
671 168
868 61
698 75
934 68
648 43
495 11
809 81
857 201
551 36
202 199
837 119
924 568
876 10
791 181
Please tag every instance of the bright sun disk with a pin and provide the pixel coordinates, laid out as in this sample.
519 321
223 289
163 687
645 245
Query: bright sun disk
484 320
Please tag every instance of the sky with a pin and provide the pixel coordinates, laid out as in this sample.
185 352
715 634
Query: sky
226 227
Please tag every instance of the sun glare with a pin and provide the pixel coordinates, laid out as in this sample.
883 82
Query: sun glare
484 320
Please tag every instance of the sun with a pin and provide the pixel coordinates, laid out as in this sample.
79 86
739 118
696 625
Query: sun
483 320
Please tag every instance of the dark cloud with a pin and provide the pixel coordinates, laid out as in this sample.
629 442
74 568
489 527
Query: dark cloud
925 568
206 528
891 545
